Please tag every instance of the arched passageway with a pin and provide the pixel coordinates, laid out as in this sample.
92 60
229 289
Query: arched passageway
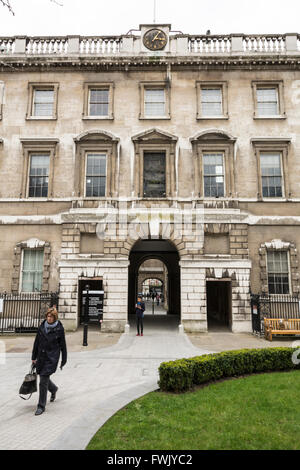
166 252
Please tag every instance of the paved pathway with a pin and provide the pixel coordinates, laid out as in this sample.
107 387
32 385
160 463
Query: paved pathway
92 387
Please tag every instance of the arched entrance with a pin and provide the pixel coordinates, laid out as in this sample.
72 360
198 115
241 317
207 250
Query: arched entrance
167 253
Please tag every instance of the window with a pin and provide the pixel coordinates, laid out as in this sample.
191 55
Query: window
213 172
271 174
268 100
96 164
212 101
95 175
272 167
98 101
42 101
154 164
155 100
279 267
213 155
154 174
278 272
38 166
32 270
38 176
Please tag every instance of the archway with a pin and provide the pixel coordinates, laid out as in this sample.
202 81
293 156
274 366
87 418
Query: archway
167 253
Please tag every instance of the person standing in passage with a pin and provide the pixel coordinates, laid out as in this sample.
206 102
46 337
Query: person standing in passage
49 342
139 311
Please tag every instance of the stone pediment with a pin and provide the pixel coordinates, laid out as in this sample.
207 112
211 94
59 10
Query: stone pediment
96 135
213 134
154 135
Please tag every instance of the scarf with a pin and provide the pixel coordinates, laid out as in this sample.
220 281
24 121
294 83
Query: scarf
49 327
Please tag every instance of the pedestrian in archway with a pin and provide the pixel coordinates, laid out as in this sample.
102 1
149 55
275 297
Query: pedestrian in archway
139 311
49 342
157 299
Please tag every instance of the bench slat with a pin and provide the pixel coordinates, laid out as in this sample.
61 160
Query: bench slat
281 326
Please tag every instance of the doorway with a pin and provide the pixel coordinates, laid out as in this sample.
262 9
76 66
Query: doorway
218 301
151 255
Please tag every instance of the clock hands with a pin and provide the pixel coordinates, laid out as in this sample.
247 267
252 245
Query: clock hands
157 37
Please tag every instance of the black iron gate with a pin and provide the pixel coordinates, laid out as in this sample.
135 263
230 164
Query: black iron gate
279 306
24 312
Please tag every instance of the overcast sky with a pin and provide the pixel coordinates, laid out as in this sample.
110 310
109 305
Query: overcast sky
101 17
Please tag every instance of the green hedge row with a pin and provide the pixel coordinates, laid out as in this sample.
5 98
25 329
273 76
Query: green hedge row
183 374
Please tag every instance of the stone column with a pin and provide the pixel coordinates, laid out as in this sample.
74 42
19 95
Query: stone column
115 285
193 297
291 42
237 43
20 45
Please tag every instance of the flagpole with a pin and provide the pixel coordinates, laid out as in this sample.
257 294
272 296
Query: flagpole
154 13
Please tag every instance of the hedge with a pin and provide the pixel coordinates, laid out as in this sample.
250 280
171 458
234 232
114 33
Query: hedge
181 375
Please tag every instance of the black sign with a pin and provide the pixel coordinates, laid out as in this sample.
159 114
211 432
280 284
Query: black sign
95 303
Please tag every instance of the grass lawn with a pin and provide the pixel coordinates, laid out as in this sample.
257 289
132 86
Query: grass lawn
252 413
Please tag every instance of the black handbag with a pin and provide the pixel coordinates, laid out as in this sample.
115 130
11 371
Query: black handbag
29 385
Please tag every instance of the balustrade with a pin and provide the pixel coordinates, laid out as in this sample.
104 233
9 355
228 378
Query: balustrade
100 45
209 44
7 45
49 46
264 44
203 45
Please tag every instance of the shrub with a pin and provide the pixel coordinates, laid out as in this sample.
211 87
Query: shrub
176 376
181 375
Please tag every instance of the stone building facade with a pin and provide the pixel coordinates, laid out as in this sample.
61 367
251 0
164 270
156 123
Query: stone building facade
153 145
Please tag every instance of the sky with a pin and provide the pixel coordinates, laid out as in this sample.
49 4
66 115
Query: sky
116 17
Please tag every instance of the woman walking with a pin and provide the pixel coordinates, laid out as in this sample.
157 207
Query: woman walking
49 342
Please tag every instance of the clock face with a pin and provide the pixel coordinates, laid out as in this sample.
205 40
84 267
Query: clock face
155 39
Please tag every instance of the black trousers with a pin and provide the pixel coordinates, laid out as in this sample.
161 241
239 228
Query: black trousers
139 324
45 385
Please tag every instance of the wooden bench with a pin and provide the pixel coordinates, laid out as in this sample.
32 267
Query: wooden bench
277 326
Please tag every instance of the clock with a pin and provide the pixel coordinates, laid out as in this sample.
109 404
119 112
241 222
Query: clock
155 39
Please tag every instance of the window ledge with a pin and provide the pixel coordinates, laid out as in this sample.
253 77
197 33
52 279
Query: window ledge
97 118
204 118
41 118
95 198
149 118
279 117
90 255
274 199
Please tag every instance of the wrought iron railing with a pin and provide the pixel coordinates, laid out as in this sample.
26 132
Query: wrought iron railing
24 312
281 306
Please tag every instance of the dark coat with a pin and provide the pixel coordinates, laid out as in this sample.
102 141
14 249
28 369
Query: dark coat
140 311
47 347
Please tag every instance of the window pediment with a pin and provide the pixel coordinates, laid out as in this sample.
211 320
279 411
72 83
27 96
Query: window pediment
212 135
96 135
154 135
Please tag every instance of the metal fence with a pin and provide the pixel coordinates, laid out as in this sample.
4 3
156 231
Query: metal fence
24 312
279 306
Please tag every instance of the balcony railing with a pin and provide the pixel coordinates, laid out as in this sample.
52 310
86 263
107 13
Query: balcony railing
179 45
209 44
